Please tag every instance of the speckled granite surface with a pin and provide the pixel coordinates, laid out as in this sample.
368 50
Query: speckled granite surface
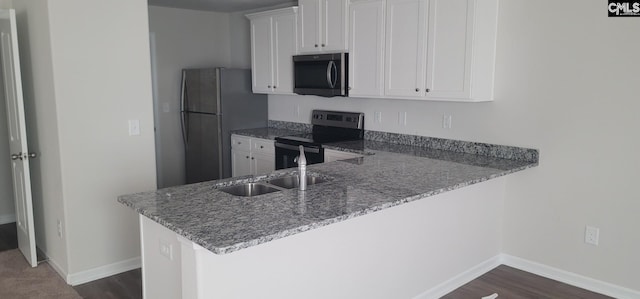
388 175
287 125
266 133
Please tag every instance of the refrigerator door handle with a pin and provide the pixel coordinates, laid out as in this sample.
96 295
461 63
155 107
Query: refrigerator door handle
183 114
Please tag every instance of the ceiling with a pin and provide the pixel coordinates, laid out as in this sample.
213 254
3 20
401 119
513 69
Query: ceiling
219 5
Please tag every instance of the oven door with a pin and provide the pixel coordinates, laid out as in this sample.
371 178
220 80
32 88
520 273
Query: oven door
286 154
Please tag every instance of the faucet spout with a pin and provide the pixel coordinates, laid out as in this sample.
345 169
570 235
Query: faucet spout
302 169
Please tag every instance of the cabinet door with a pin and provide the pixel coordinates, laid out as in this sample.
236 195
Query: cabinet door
261 51
449 48
240 162
333 30
263 163
366 43
309 22
285 46
406 28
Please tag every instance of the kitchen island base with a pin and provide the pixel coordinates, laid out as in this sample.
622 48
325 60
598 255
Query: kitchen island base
400 252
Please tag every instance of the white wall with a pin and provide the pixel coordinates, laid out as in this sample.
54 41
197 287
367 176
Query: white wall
87 76
102 80
565 84
184 39
42 128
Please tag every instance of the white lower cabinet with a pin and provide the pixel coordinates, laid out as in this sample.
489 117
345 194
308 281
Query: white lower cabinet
333 155
251 156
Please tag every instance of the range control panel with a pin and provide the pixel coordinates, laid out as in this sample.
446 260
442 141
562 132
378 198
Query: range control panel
353 120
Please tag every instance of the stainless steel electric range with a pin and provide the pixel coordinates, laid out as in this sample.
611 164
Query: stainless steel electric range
328 127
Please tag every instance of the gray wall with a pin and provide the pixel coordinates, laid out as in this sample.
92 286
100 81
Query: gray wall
183 39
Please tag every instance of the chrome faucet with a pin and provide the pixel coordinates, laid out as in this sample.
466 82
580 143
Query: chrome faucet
302 169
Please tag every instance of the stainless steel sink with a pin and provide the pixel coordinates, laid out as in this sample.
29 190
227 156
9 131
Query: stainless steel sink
290 182
249 189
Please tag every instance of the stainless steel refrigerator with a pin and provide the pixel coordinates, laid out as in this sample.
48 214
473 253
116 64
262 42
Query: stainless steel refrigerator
214 102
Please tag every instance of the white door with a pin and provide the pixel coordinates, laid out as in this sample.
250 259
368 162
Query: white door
285 46
366 57
449 54
333 25
405 55
261 55
309 22
240 163
17 136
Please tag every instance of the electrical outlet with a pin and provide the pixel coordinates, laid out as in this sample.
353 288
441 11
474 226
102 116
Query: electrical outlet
296 111
446 121
59 228
134 127
591 235
377 117
402 118
166 249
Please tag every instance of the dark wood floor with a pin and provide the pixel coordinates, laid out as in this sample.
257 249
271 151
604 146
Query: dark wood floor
8 237
127 285
507 282
512 283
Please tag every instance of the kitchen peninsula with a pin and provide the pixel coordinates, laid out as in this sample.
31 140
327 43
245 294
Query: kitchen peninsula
397 223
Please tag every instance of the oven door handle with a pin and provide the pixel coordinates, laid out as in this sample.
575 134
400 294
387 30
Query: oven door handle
295 148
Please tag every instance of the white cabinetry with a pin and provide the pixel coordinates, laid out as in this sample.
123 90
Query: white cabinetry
366 44
433 49
273 43
251 155
333 155
323 25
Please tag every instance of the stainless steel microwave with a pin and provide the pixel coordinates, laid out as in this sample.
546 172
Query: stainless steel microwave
324 75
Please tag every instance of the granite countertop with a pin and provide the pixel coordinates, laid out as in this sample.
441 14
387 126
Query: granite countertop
388 175
266 133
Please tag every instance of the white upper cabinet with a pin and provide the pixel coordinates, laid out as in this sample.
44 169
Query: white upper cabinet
323 26
366 44
405 48
273 44
433 49
449 49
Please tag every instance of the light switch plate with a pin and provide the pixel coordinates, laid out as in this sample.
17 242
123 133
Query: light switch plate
134 127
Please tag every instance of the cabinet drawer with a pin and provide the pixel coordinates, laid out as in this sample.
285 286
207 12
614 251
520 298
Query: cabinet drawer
262 146
240 143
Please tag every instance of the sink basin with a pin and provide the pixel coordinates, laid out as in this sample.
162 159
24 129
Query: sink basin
249 189
290 182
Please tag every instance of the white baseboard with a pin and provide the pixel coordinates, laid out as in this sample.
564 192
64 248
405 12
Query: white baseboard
56 267
103 271
570 278
461 279
8 218
567 277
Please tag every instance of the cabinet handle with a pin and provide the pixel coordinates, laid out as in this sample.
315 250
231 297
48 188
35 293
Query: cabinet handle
268 86
427 90
323 45
316 45
252 158
274 87
247 157
262 146
417 89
